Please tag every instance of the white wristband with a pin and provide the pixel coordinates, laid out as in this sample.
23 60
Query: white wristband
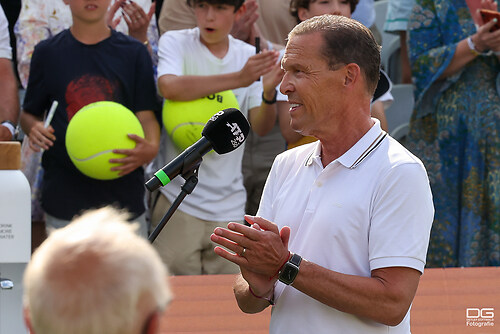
473 49
11 128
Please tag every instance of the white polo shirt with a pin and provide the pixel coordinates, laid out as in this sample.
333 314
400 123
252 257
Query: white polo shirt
371 208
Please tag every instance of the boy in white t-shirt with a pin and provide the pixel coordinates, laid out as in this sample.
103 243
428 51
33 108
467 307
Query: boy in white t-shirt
194 63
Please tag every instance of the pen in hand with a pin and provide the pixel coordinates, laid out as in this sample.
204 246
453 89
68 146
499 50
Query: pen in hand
257 48
50 115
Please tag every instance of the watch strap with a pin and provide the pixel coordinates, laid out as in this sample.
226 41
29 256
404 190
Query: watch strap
290 270
295 259
270 101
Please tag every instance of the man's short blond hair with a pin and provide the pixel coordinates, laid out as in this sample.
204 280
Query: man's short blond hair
95 275
345 41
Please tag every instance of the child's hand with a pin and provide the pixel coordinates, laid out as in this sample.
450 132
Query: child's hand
137 19
489 4
110 20
41 137
143 153
272 79
257 66
243 26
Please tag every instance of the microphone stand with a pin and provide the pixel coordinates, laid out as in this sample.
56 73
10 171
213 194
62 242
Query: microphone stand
191 177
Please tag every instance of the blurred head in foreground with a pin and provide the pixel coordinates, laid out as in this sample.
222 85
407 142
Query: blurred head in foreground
95 275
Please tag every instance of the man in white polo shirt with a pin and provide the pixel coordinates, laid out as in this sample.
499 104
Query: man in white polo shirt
344 223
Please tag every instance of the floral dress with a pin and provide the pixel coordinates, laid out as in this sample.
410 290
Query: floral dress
455 131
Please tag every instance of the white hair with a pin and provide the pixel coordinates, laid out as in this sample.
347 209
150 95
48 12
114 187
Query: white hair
95 275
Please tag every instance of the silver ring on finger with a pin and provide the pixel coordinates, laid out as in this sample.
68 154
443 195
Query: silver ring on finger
242 254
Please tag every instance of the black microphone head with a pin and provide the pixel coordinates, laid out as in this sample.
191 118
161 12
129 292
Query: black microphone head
226 130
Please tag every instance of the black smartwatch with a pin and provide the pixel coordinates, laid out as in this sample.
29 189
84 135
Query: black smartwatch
290 269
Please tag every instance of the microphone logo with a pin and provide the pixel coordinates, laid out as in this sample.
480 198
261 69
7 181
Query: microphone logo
216 115
239 137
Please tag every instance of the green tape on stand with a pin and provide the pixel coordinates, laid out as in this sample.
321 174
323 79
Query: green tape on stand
162 176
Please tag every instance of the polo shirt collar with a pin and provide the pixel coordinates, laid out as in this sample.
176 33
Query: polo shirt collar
362 149
358 153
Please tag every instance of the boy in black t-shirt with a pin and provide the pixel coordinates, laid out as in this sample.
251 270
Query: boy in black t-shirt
88 63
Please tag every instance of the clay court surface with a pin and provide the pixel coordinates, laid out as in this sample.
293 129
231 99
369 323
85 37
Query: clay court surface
205 304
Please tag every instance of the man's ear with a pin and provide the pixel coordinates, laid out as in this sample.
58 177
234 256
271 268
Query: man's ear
27 320
303 14
352 73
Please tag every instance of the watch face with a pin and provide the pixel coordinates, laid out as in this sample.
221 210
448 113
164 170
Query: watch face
290 270
288 274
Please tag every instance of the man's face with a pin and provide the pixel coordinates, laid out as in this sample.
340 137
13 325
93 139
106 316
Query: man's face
313 90
88 11
321 7
215 21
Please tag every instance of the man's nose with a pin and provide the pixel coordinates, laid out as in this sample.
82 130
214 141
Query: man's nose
286 86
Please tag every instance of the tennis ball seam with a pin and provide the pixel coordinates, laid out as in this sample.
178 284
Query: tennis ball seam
95 155
182 124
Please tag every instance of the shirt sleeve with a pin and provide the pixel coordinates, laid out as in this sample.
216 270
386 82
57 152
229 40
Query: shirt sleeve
170 55
398 12
434 30
36 100
145 89
402 215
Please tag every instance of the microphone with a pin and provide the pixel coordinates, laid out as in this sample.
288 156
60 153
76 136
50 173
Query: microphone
224 132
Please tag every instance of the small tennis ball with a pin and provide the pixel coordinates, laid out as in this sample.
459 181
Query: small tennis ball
95 131
184 120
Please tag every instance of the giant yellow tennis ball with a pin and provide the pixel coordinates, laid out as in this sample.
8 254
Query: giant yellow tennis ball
184 120
95 131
